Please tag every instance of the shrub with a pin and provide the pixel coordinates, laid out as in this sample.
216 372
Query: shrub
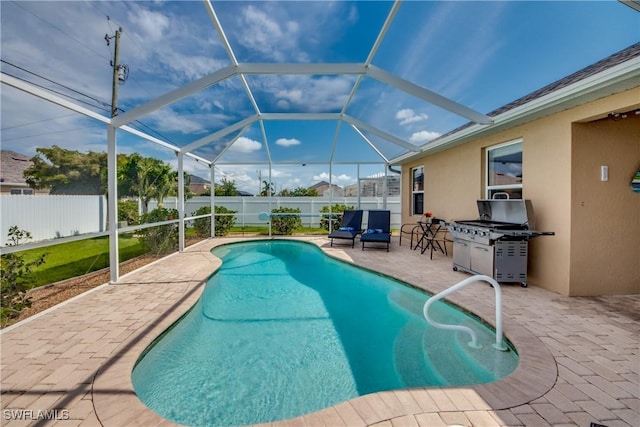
285 224
335 217
161 239
128 211
15 278
223 223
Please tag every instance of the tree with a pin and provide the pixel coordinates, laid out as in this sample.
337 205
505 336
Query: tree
267 189
226 188
147 178
299 192
15 278
68 171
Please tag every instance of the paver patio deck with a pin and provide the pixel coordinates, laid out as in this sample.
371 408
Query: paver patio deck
580 357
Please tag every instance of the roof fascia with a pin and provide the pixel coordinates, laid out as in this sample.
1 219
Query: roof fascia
219 134
427 95
174 95
47 96
620 77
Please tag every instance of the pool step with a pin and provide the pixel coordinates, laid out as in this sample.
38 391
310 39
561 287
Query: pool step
410 363
487 363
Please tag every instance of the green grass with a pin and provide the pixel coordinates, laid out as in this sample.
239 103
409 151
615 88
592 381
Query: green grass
74 259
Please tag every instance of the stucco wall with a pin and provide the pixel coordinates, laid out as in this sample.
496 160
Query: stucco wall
454 180
605 243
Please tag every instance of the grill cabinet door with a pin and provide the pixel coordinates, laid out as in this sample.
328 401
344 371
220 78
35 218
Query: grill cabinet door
462 254
482 259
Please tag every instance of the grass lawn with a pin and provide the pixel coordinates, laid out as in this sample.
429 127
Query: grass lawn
73 259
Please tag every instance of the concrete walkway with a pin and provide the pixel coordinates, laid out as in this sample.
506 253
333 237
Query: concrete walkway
580 357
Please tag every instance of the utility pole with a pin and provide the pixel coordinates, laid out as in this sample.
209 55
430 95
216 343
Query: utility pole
120 72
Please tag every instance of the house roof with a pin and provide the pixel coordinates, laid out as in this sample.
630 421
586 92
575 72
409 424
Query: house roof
12 167
615 73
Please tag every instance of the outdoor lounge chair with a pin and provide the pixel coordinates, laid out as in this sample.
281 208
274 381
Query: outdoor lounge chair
351 227
378 228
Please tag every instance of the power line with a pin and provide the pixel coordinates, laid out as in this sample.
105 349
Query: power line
58 92
54 82
38 122
60 30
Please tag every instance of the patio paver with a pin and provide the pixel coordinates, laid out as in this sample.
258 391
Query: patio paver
580 357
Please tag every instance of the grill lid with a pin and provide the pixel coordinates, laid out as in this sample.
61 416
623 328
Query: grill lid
511 211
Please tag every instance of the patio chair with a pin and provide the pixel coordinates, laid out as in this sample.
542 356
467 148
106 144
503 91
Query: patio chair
351 227
378 228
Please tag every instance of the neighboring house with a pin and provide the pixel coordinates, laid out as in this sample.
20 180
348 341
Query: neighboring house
12 167
572 148
199 186
374 187
322 188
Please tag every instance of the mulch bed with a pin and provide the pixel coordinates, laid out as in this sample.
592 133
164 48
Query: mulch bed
55 293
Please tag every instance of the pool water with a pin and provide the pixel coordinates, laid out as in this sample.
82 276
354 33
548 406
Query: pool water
282 330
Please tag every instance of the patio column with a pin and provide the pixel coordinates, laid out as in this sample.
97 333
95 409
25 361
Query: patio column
112 203
180 201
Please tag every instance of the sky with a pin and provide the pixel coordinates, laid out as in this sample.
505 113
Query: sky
481 54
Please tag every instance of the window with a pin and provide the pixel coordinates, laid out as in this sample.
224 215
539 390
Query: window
21 191
504 171
417 190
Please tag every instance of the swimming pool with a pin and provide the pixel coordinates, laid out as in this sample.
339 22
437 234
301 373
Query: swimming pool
282 330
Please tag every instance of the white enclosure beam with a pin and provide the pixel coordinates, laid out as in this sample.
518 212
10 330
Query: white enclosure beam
301 68
181 202
149 138
335 141
216 135
229 144
371 144
382 134
427 95
48 96
383 31
300 116
266 147
173 96
112 203
223 37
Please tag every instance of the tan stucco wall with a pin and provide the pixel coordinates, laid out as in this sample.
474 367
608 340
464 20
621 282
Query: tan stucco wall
605 242
454 180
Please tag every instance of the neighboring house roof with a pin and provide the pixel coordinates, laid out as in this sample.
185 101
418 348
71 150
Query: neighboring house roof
194 179
615 73
321 184
12 167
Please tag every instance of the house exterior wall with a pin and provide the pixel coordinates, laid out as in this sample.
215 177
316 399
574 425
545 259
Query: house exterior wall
558 151
605 215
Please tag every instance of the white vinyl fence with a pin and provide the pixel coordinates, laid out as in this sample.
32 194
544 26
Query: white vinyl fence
49 217
248 208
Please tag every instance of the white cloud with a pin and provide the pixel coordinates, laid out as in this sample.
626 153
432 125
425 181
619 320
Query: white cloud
245 145
407 116
287 142
423 136
153 24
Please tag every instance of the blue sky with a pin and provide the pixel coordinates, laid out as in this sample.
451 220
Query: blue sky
478 53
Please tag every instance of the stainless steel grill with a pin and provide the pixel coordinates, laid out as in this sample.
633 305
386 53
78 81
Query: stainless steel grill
497 243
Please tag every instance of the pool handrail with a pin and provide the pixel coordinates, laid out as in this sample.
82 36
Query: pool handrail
474 338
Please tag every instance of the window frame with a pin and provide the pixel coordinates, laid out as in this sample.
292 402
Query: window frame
415 192
489 188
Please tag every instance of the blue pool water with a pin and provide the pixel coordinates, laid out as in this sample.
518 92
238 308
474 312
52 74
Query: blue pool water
282 330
